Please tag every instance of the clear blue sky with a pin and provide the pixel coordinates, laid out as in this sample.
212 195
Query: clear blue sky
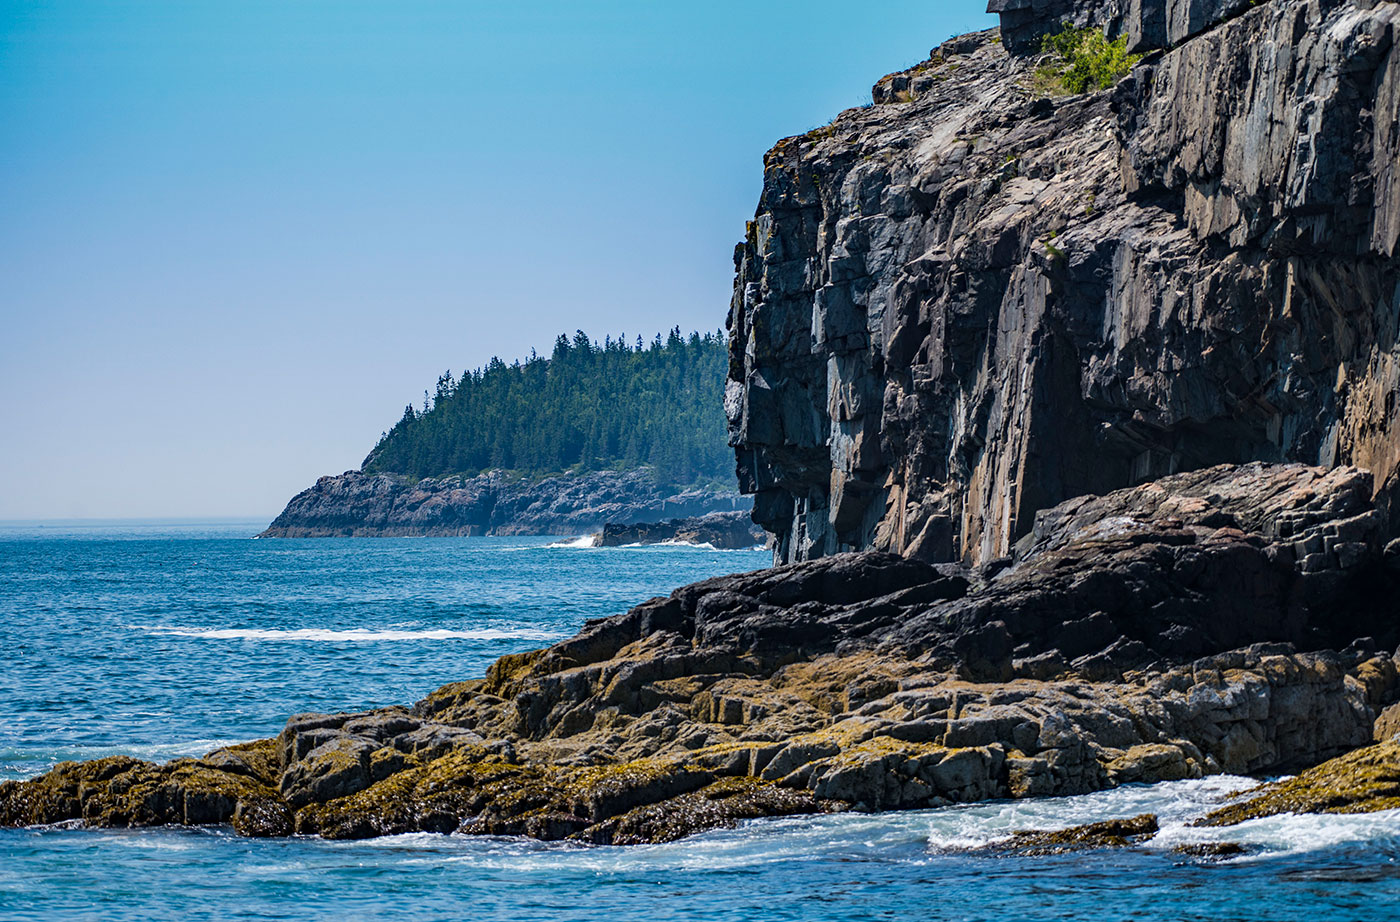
237 237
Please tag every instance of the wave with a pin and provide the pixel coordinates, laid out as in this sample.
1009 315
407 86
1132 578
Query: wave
697 546
353 635
923 837
19 762
581 542
586 543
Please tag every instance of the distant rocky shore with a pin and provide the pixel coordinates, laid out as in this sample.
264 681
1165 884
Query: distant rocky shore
1236 619
725 531
356 504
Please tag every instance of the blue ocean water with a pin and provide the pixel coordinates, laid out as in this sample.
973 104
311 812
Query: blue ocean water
160 640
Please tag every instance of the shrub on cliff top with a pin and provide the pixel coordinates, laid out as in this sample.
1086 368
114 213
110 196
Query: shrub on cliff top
1083 60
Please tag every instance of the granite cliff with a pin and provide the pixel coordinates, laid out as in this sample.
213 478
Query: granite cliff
971 300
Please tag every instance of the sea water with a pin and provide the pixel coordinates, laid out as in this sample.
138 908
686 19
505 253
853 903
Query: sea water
160 640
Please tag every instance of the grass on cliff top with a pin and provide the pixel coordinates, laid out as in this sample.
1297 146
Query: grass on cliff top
1082 60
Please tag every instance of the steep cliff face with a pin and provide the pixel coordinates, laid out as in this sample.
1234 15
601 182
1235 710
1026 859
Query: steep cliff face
971 300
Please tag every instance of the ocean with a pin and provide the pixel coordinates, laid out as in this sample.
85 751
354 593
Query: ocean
168 639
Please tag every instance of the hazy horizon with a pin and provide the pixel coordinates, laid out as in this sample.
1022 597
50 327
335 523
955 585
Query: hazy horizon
238 240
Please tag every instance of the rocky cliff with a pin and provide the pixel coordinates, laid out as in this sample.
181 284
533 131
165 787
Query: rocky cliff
1012 338
972 300
355 504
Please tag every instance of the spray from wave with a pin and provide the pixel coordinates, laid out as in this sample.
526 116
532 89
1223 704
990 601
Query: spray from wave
583 541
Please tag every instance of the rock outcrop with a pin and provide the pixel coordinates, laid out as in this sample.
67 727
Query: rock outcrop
972 301
355 504
1365 781
1232 619
725 531
1119 833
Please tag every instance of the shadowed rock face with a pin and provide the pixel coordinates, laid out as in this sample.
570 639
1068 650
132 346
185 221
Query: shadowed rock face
968 303
1147 24
1150 634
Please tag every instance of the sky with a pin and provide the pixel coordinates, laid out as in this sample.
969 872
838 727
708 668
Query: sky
237 237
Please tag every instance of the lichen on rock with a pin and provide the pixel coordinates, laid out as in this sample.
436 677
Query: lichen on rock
1365 781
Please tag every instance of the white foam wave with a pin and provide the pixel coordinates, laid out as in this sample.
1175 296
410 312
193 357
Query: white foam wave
1288 832
586 543
353 635
25 762
920 836
695 545
1176 803
579 543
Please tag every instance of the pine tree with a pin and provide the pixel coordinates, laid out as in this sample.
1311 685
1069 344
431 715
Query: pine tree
588 406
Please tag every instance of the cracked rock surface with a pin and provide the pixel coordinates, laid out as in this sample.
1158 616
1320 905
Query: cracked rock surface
970 301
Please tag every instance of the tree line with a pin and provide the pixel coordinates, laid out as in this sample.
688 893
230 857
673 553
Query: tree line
588 406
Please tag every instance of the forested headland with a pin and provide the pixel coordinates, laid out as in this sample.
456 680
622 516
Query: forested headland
588 406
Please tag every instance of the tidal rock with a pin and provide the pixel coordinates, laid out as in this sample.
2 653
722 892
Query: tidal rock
720 530
1388 724
1225 620
120 792
391 505
1105 834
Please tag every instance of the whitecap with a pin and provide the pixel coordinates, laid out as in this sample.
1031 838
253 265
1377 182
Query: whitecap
580 543
18 763
353 635
1288 832
1176 803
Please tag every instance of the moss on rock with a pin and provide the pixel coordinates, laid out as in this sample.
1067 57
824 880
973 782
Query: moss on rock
1118 833
1364 781
119 791
723 804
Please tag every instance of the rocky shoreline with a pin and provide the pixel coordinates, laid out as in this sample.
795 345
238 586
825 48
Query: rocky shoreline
1230 620
359 505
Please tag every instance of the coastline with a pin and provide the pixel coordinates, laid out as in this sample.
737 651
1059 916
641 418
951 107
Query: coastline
360 505
861 682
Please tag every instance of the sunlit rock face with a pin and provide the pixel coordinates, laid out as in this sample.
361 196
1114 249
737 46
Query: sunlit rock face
971 301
